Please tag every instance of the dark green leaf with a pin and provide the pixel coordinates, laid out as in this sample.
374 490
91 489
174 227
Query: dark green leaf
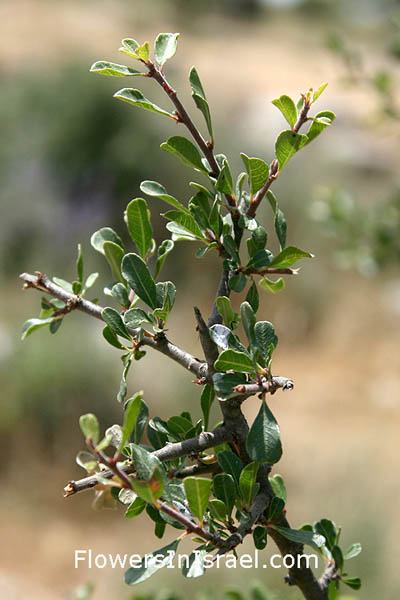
140 423
139 278
185 221
248 321
79 264
233 360
112 339
264 333
280 221
136 98
115 322
252 297
226 311
260 537
237 282
113 69
301 537
337 556
230 463
224 489
200 99
120 293
207 398
287 144
353 582
157 433
275 508
225 382
135 317
263 441
139 226
151 563
165 47
329 530
218 509
224 182
287 108
185 151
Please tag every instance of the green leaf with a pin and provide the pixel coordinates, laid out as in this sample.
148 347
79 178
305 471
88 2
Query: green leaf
260 537
138 276
152 489
32 325
248 321
123 388
120 293
152 188
321 120
264 333
198 490
143 51
136 98
157 432
65 285
301 537
287 144
253 298
129 47
141 423
353 582
132 409
115 322
144 461
226 311
337 556
248 485
225 382
288 257
271 286
275 509
230 463
196 564
257 170
263 441
185 151
231 247
112 338
329 530
199 98
113 69
114 255
318 92
90 281
162 252
185 221
105 234
134 318
218 509
224 182
224 489
90 427
280 221
139 226
287 108
237 282
207 398
165 47
135 508
151 563
233 360
353 551
278 486
225 339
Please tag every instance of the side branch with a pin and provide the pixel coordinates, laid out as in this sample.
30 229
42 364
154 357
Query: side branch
171 451
277 382
75 302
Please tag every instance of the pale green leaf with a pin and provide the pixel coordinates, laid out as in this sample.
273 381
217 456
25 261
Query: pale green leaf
232 360
104 67
287 144
139 226
198 490
287 108
185 151
288 257
257 170
136 98
165 47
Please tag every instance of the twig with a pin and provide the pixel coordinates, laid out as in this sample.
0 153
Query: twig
190 525
189 447
161 343
210 349
268 271
277 382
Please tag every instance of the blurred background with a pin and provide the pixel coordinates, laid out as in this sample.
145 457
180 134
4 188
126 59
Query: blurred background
72 158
